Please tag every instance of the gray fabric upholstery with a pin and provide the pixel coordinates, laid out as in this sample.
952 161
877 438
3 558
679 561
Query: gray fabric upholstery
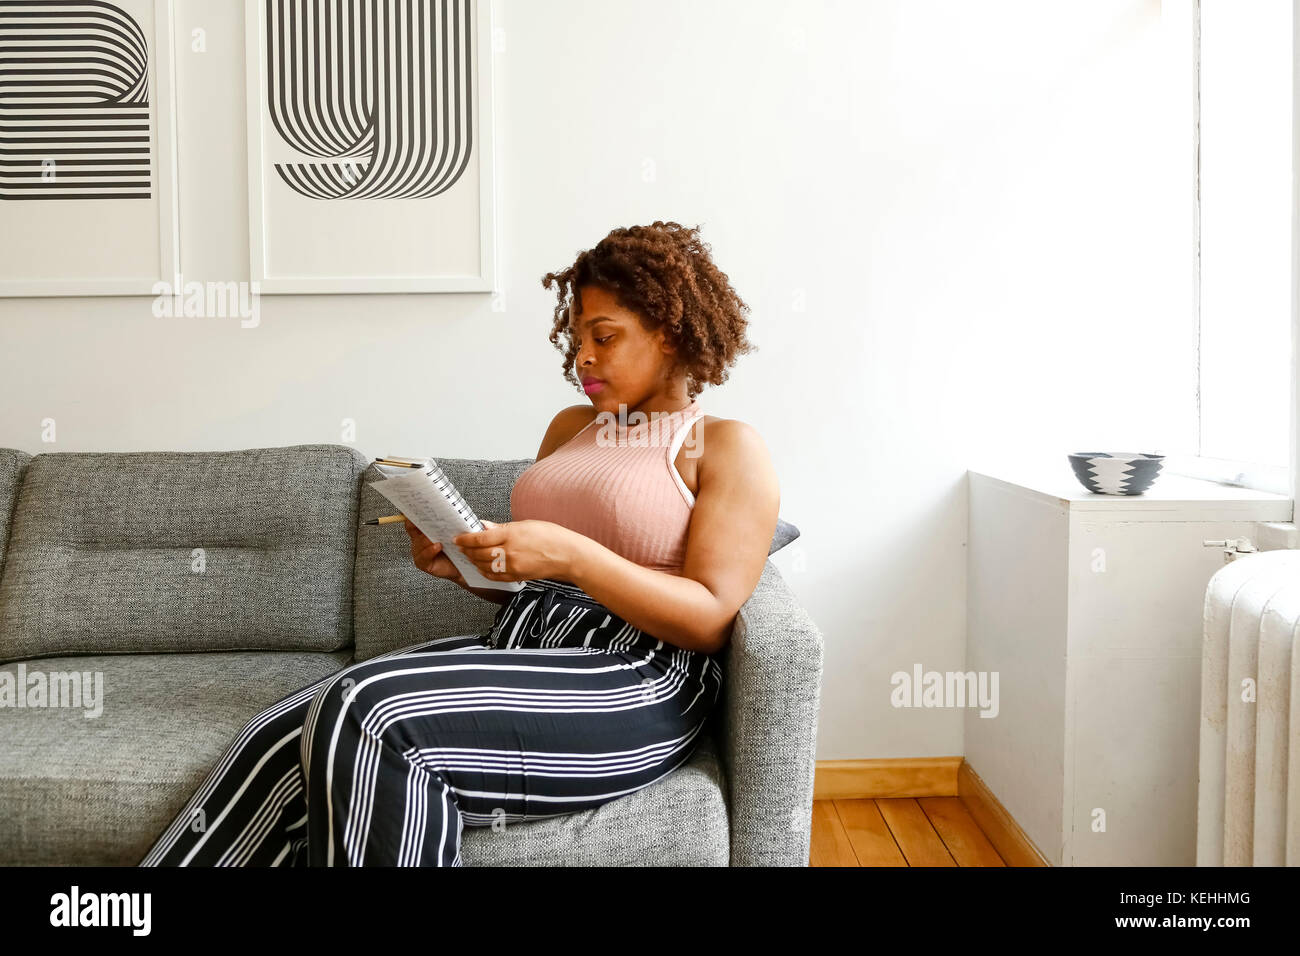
280 527
770 699
98 791
785 533
396 603
12 465
100 554
680 820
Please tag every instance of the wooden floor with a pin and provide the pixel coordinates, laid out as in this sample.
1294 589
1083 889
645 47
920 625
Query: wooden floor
902 831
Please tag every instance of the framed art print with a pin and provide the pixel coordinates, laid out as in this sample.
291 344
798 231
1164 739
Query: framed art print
87 148
370 163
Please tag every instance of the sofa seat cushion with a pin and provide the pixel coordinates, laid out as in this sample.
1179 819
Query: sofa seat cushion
99 790
680 820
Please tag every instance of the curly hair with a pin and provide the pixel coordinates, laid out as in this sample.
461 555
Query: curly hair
665 274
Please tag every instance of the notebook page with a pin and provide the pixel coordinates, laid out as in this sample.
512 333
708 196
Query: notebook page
436 508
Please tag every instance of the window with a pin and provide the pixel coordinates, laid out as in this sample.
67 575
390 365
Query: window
1241 242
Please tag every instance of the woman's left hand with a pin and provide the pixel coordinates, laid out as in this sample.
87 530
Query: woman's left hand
520 550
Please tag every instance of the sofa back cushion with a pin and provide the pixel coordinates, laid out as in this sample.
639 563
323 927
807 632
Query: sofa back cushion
12 465
141 552
397 604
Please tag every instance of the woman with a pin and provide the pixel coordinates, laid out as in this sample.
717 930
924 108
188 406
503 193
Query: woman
640 529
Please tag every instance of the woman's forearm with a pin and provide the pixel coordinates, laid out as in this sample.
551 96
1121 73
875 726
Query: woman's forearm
673 608
495 595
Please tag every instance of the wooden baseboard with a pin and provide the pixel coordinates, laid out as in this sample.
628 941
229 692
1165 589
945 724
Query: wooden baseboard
929 777
1011 842
889 777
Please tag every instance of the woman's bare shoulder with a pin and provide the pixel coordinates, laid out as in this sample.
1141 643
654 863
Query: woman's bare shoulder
734 443
566 423
732 430
574 418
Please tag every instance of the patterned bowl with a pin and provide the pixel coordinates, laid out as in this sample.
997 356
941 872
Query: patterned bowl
1117 472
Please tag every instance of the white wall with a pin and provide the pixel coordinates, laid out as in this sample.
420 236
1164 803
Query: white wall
961 228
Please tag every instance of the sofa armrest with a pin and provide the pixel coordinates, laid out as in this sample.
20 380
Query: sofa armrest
768 734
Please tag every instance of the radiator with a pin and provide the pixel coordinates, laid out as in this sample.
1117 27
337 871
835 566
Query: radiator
1248 791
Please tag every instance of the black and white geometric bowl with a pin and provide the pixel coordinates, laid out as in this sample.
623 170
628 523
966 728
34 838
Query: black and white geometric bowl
1116 473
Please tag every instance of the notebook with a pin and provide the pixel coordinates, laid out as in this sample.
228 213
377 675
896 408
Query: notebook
431 501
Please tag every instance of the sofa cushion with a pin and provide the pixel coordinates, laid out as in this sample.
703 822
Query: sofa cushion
397 604
104 555
12 465
680 820
784 534
98 791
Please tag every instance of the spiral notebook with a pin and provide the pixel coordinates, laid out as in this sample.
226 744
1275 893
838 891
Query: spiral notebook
427 496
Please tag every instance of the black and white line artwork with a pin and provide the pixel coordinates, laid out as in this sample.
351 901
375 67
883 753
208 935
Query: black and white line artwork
381 89
74 102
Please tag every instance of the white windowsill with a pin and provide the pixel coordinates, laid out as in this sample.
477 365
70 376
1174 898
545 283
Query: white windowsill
1241 474
1171 497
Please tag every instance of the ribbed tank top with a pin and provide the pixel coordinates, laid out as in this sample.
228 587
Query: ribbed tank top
617 485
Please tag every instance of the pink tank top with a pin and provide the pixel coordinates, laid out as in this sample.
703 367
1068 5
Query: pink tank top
619 486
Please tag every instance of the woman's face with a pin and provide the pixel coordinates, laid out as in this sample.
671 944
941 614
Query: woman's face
618 361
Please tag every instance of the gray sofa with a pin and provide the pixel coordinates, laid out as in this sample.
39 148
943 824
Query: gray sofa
204 586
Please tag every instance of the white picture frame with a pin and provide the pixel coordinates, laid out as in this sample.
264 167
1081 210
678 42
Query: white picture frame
277 208
21 220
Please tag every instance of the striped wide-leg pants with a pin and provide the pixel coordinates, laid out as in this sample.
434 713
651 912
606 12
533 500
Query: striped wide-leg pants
560 706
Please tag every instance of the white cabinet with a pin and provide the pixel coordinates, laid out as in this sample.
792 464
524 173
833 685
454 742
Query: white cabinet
1090 609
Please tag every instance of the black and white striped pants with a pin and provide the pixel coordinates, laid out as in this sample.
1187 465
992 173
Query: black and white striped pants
560 706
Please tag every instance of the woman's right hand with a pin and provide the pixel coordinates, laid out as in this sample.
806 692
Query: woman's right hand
429 557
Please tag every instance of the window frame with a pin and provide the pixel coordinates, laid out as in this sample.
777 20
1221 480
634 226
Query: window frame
1244 474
